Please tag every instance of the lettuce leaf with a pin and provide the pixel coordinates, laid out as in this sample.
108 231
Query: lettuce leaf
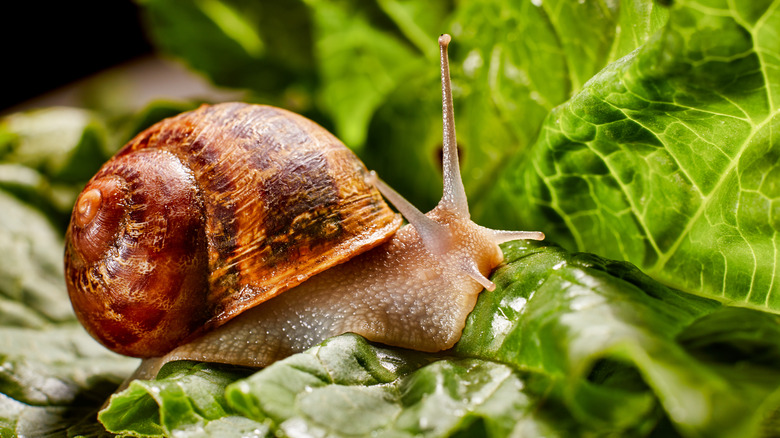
186 398
565 335
580 318
668 157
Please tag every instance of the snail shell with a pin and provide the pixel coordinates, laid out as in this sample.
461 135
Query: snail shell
209 213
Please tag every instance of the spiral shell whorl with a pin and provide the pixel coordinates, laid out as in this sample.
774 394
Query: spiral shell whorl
277 200
141 259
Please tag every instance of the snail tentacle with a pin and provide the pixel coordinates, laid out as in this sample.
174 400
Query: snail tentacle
454 196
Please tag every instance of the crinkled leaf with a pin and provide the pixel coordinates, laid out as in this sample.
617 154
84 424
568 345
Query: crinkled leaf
31 286
20 419
530 56
186 398
51 378
53 366
345 360
668 157
589 321
348 387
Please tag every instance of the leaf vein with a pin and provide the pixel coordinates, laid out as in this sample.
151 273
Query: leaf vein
665 256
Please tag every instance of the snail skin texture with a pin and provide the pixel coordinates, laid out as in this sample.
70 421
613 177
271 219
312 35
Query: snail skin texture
242 234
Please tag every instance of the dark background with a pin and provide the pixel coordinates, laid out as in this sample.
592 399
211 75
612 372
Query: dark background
46 45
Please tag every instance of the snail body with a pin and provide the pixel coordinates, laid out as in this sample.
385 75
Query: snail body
268 238
361 296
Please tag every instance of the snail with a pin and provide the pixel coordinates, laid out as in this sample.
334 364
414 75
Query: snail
241 234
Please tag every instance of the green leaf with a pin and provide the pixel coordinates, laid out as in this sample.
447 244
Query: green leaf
45 155
512 62
667 158
51 378
564 335
345 387
614 337
409 159
348 387
262 46
344 360
420 23
186 398
66 144
359 62
56 365
31 273
33 189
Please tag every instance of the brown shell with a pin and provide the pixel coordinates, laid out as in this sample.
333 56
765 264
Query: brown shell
209 213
